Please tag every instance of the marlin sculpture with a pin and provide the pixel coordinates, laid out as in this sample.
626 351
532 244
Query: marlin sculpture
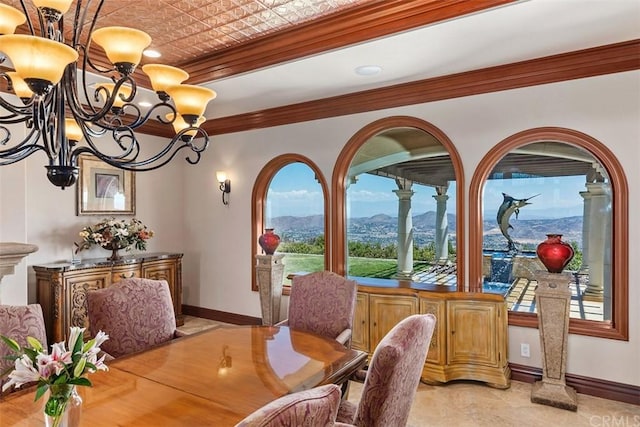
508 207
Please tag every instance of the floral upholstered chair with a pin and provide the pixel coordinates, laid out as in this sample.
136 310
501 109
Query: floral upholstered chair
316 407
19 322
322 303
137 314
393 375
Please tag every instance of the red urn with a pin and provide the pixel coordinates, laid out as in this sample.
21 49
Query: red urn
269 241
554 253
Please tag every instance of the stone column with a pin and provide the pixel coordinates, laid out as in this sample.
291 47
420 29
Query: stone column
270 272
586 225
405 234
553 299
442 226
599 240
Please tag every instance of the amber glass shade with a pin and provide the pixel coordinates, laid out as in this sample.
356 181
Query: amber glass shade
190 99
179 123
10 18
61 6
122 44
37 57
20 88
125 91
72 130
163 76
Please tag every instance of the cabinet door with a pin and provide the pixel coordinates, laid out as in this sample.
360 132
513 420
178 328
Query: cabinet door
473 332
169 270
125 272
437 348
77 286
385 312
360 335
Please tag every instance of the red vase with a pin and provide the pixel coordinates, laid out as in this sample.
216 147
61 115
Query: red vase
269 241
554 253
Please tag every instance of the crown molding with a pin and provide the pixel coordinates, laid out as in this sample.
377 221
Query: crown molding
608 59
354 25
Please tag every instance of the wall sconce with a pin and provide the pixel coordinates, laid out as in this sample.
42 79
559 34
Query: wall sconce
225 186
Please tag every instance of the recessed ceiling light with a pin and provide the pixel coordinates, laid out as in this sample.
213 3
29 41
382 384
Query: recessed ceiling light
150 53
145 104
368 70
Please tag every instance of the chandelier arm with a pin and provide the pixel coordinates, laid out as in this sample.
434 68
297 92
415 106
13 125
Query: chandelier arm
25 148
23 110
26 13
77 108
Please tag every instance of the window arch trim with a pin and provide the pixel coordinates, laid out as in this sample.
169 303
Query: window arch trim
341 170
259 200
618 327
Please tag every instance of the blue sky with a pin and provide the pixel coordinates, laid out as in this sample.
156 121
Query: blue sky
294 191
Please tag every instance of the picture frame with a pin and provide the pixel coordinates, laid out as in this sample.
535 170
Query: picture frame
104 189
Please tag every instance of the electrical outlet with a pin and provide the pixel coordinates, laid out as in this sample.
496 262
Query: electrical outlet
524 350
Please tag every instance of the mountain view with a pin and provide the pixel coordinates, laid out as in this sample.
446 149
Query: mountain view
382 229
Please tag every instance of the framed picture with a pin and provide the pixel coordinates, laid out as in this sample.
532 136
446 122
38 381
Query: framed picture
104 189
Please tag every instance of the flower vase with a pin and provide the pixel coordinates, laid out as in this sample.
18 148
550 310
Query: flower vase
64 406
114 255
269 241
554 253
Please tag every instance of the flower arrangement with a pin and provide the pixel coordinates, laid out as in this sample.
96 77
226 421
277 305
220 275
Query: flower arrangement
113 234
57 372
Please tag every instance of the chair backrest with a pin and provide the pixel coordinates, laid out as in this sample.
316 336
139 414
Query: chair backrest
136 314
19 322
315 407
394 373
322 302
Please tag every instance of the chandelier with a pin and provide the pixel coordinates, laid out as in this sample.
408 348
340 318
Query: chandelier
65 114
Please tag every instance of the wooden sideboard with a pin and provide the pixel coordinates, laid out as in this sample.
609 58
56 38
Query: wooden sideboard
61 287
470 340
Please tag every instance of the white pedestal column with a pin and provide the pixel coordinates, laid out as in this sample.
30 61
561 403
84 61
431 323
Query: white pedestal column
586 226
599 239
405 234
553 299
270 273
442 229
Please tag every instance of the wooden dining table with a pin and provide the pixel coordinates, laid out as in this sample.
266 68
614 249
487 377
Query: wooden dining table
212 378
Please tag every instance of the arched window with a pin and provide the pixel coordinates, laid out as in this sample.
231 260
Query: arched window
290 196
413 166
559 181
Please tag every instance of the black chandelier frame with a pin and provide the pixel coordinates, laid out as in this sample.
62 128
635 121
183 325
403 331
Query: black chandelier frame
94 111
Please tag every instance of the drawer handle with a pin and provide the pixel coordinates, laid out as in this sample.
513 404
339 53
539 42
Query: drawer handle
124 276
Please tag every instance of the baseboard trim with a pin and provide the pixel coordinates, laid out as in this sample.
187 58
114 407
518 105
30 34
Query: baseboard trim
220 316
591 386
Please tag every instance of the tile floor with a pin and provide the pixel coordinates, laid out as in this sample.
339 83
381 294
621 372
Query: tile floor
471 404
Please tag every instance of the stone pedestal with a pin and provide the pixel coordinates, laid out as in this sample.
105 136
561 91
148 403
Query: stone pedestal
11 254
270 272
553 299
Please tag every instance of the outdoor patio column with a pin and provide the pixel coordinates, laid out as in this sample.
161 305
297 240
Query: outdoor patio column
586 225
405 231
599 239
442 226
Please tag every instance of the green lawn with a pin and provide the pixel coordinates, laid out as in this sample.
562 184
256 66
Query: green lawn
364 267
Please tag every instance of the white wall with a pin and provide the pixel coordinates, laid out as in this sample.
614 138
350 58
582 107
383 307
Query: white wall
36 212
182 202
218 260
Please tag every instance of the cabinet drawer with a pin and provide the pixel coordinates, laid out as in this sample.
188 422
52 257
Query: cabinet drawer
125 272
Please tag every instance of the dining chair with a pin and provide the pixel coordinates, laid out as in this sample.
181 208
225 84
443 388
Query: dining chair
323 303
316 407
393 375
136 313
19 322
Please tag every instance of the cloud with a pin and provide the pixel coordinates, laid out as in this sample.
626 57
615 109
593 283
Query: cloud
294 195
371 196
